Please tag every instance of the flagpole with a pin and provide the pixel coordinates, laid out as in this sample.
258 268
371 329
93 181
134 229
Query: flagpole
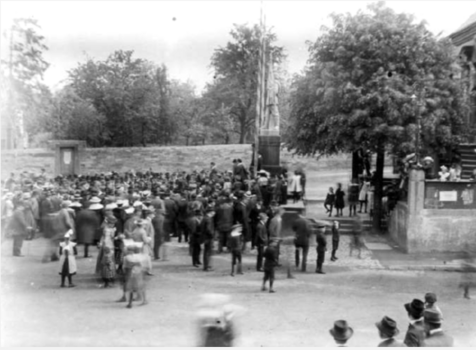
259 89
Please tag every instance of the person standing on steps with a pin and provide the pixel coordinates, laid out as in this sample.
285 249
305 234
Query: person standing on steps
330 200
339 202
353 197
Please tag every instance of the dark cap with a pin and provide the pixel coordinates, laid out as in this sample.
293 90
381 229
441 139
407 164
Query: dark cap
430 298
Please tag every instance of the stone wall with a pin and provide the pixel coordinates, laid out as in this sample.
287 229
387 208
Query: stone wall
420 230
451 230
398 224
96 160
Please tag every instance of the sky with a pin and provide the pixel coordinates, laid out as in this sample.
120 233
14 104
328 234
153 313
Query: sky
184 34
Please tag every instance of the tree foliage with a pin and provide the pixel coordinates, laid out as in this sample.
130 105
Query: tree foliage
235 67
130 93
23 66
357 88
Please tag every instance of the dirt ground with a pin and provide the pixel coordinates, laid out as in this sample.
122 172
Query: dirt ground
35 311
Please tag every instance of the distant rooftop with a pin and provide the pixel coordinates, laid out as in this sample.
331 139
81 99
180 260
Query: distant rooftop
465 34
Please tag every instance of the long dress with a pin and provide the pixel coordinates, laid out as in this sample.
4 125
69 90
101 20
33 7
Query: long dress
140 235
67 263
107 240
134 273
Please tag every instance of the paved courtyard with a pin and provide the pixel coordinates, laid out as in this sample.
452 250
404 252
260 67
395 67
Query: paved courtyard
35 311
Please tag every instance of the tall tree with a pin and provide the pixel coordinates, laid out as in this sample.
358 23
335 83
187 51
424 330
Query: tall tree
23 67
356 91
128 92
235 66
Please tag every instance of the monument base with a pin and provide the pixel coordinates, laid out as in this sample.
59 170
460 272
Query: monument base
269 147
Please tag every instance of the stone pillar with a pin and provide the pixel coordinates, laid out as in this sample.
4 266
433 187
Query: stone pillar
269 147
416 191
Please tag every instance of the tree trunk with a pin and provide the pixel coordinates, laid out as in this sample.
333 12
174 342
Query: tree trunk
378 190
355 165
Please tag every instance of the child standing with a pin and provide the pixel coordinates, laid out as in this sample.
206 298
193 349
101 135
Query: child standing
235 247
330 199
108 270
335 240
270 263
134 269
430 303
67 260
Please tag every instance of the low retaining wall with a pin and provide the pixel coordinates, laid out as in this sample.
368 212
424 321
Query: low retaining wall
97 160
433 230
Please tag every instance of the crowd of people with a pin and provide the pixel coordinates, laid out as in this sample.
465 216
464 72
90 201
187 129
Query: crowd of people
131 216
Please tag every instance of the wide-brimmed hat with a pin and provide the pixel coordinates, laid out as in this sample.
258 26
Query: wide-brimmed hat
129 210
111 206
430 298
137 204
432 316
110 220
75 205
388 327
415 308
341 330
443 167
95 200
96 206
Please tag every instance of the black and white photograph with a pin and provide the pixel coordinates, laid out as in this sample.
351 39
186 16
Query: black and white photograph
238 173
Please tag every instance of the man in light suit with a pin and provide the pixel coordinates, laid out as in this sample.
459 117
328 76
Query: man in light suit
415 333
435 335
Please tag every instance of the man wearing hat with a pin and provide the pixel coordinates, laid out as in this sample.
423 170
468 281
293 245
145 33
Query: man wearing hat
321 248
302 229
341 332
261 239
415 333
87 223
224 222
207 230
19 228
388 331
435 337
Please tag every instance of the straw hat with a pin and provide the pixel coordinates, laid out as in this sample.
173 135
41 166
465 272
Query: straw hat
95 200
111 206
96 206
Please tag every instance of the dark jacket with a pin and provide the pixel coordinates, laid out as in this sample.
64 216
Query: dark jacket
391 343
270 258
18 224
224 217
87 223
439 339
302 228
261 234
207 229
415 335
321 242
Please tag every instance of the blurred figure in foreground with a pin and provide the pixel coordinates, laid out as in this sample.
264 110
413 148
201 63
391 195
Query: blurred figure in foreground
468 278
216 321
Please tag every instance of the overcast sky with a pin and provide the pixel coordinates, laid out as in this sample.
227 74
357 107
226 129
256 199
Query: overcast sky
77 29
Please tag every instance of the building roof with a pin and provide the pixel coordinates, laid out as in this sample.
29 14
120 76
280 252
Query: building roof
466 33
470 20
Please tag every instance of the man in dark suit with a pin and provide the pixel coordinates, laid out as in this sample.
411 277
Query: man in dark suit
435 336
261 239
224 222
415 333
388 330
321 248
302 229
